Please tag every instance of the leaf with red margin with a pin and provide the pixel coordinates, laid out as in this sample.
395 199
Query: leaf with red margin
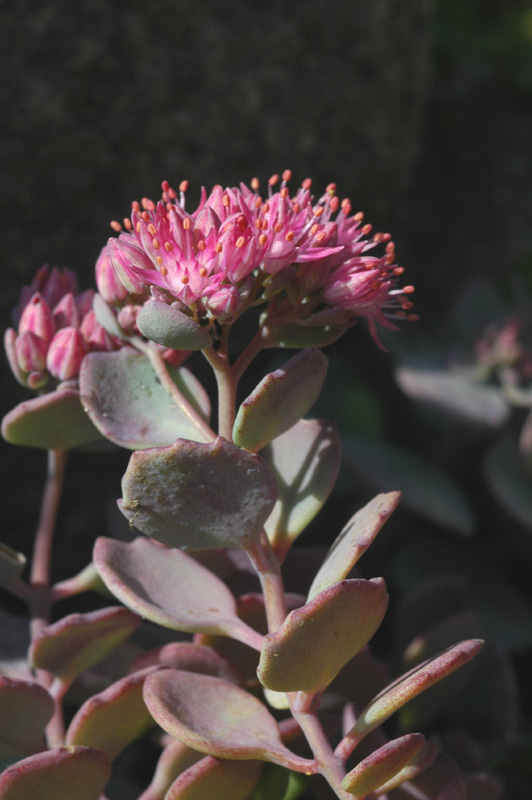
169 587
218 719
280 400
114 718
53 421
381 766
353 541
217 780
63 773
77 642
25 710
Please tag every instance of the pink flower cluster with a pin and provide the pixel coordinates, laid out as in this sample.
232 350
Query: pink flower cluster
55 328
208 260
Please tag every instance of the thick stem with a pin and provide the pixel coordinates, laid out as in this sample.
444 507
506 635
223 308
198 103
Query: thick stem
159 365
329 766
40 599
267 567
227 387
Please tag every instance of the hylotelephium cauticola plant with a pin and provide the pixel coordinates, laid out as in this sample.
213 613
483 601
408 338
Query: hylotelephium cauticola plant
261 691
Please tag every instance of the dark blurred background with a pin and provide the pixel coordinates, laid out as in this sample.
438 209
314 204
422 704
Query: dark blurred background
419 110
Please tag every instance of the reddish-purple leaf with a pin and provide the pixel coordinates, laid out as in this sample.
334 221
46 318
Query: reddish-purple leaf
217 780
63 773
217 718
79 641
112 719
25 710
170 588
381 766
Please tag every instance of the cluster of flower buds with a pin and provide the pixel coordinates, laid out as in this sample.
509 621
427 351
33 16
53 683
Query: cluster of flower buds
55 328
216 260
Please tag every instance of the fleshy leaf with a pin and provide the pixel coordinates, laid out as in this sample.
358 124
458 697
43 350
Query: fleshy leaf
77 642
217 718
114 718
456 393
317 640
413 683
305 461
63 773
53 421
168 587
217 780
280 400
126 401
421 761
168 326
353 541
11 566
198 496
424 489
25 710
382 765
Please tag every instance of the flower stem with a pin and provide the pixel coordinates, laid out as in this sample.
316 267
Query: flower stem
248 354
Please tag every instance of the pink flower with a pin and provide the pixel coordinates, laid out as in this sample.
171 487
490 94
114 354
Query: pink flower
208 260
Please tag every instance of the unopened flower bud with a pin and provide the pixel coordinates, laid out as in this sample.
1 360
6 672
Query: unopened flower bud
225 303
38 318
65 354
123 256
30 352
127 318
66 313
110 287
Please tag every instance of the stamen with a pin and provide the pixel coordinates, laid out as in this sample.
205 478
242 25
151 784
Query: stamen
135 207
168 246
187 224
115 225
346 206
290 236
331 188
398 271
334 204
296 208
203 272
152 229
258 224
318 211
287 174
273 180
145 216
413 318
359 216
183 186
185 279
263 239
366 229
242 222
226 201
127 224
165 186
218 247
314 229
255 184
201 244
408 289
307 183
163 270
258 202
159 261
156 244
278 227
284 192
240 242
